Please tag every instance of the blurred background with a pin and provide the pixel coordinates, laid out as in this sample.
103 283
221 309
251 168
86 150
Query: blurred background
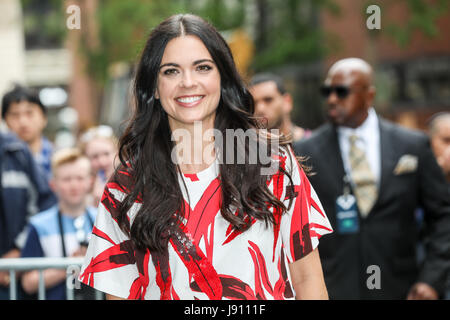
83 74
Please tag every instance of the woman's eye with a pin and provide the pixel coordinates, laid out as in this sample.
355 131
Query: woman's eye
204 68
170 72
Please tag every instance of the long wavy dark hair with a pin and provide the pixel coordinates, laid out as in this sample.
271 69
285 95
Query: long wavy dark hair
146 145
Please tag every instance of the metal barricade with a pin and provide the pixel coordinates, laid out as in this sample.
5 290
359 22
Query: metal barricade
40 264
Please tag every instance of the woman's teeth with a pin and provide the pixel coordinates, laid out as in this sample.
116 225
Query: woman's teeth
189 99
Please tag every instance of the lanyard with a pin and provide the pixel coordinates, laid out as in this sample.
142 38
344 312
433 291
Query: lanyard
61 230
347 185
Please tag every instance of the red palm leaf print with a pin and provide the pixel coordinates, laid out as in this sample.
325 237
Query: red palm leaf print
116 256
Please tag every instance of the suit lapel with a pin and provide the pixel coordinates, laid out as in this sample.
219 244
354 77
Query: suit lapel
332 153
387 156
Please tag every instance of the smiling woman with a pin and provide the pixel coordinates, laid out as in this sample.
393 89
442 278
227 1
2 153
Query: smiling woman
175 231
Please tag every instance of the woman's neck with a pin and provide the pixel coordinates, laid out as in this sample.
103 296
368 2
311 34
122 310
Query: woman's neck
194 147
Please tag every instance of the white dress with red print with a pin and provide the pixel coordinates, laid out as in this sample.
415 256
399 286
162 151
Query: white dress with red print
206 257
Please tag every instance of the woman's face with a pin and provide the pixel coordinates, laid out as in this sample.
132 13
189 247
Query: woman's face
188 83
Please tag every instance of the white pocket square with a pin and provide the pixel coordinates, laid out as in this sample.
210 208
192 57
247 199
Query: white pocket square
406 164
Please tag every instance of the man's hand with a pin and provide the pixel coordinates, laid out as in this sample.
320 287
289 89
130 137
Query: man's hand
4 275
81 252
422 291
4 279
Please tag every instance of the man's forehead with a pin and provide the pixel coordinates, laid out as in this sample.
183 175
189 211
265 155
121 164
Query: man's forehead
443 124
350 70
23 104
346 78
81 165
351 64
265 87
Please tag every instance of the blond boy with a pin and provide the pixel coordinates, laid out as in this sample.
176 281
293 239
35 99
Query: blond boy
64 229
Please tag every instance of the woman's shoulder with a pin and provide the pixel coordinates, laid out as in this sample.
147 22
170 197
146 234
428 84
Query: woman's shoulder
290 166
287 161
282 163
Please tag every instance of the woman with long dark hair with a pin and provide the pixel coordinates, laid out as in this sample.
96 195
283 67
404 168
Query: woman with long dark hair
190 213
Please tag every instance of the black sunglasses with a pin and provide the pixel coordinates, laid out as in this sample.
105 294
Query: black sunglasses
341 91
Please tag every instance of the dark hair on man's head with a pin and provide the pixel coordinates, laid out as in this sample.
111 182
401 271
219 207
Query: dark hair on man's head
20 94
268 77
145 147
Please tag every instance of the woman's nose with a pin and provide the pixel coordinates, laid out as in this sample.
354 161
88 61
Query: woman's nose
187 80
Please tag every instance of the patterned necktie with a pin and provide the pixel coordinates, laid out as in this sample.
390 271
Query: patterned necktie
363 178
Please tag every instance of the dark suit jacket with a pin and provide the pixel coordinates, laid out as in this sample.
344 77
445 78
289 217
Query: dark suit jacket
389 235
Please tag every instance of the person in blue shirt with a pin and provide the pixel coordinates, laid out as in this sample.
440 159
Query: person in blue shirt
64 229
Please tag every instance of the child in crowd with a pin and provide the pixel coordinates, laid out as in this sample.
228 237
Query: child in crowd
64 229
99 144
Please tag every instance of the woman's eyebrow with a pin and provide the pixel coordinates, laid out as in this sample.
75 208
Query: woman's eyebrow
202 60
196 62
169 64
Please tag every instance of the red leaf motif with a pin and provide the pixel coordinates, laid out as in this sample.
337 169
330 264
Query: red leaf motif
114 257
261 275
197 264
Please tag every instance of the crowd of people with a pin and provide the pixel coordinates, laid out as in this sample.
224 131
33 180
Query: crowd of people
49 197
397 201
381 191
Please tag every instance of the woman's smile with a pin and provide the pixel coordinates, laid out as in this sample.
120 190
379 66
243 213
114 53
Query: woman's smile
189 101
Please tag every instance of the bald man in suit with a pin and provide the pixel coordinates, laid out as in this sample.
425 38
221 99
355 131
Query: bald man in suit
371 176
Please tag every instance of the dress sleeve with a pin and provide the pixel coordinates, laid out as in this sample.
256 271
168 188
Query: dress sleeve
110 264
305 221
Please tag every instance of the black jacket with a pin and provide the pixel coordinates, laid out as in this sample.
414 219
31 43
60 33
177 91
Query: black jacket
389 235
24 191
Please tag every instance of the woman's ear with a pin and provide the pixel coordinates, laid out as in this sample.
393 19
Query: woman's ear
156 94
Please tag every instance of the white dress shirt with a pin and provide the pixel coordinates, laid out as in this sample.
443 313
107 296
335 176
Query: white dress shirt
368 134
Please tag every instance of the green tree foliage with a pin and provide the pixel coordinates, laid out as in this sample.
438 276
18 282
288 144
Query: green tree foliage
284 32
223 14
43 23
123 27
288 32
423 17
